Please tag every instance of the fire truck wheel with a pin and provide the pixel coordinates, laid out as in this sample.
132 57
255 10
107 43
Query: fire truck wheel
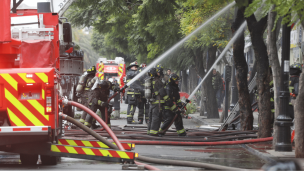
49 160
29 159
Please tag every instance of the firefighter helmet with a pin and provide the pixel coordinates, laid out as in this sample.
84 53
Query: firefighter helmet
132 64
152 72
159 68
91 70
295 69
173 78
297 65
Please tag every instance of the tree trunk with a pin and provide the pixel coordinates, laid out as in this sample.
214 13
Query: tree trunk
184 81
256 29
192 79
275 65
299 120
210 106
241 66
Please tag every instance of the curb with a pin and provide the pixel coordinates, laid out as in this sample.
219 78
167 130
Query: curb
258 154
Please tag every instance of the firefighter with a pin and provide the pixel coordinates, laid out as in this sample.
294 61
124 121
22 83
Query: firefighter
134 95
145 103
295 71
171 109
83 89
156 105
98 98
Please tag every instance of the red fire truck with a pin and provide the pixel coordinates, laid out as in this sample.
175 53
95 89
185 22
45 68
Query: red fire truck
30 93
112 69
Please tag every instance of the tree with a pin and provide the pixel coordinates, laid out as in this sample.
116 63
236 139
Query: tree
146 29
257 29
241 73
273 30
203 46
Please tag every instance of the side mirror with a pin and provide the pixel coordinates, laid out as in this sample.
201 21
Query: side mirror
67 32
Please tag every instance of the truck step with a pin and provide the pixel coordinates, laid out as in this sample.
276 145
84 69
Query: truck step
92 143
93 153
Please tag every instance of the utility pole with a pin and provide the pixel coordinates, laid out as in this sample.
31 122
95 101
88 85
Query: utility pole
284 121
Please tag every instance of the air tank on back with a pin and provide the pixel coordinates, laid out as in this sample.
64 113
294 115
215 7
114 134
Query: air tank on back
148 88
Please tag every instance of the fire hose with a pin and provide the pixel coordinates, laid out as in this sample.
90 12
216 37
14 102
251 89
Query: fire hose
95 116
147 159
197 143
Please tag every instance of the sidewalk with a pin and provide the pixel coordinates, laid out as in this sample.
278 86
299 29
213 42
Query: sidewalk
262 150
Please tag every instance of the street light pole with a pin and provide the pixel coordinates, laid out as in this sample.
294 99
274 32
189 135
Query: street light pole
284 121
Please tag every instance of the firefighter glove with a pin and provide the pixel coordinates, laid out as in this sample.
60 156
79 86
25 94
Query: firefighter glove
102 104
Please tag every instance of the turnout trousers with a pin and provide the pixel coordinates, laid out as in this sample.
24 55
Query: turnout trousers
84 101
168 117
145 113
155 118
132 108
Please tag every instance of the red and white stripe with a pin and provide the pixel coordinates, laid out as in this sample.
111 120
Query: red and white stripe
33 130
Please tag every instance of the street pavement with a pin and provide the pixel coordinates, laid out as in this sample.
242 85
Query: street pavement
249 156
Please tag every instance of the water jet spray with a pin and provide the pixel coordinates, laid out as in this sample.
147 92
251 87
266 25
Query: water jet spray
177 45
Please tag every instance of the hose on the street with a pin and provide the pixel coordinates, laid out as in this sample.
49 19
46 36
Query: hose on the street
102 123
95 116
197 143
186 163
88 130
148 159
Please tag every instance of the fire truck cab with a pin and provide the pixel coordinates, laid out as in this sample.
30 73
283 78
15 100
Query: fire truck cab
111 69
30 91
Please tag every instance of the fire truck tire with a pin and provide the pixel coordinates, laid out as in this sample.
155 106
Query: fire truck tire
49 160
29 159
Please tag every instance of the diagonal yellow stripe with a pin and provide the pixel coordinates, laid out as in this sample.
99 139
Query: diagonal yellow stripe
43 77
102 145
71 150
39 107
27 80
54 148
88 151
22 108
8 78
14 118
123 154
59 142
87 143
106 153
72 142
42 94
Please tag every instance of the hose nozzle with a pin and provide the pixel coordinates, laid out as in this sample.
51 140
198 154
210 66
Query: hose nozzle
123 88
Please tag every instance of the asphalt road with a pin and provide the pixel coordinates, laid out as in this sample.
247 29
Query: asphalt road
234 156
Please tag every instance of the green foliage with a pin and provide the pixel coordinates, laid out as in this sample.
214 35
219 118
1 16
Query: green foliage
197 13
143 30
290 10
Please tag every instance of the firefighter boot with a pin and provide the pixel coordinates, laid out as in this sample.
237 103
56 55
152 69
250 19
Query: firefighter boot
82 121
181 133
130 121
87 124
